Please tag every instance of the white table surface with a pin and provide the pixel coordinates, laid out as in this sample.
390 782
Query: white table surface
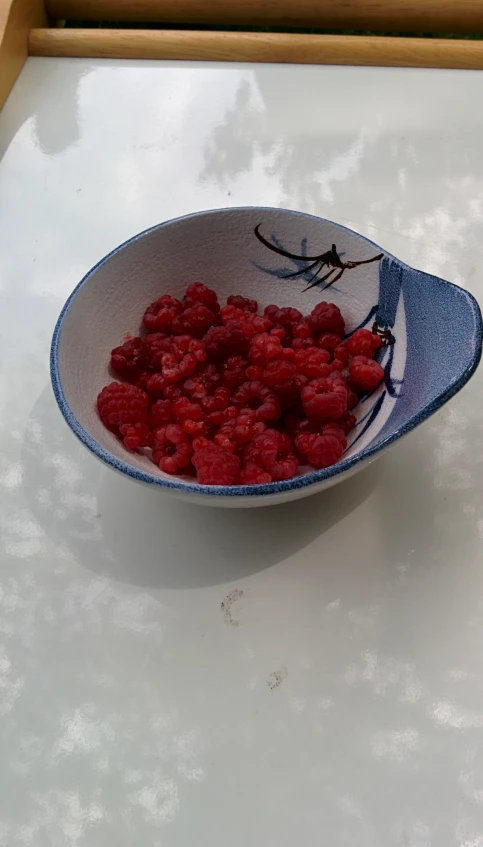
335 699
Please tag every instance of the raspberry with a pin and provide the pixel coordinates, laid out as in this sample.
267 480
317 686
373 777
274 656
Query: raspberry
263 348
171 449
136 435
217 401
328 448
341 353
183 410
204 382
129 359
324 399
249 323
183 345
160 314
216 466
238 431
160 414
326 317
121 403
347 422
194 320
156 344
251 474
312 362
366 374
233 371
269 451
277 371
363 343
197 293
259 397
221 342
241 302
329 341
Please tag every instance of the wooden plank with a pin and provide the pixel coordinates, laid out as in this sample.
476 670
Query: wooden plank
17 17
257 47
463 16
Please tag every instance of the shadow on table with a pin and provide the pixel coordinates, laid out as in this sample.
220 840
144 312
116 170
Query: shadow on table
143 537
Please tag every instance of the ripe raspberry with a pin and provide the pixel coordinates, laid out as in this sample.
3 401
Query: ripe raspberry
204 382
238 431
329 341
276 371
312 362
251 474
197 293
183 345
161 414
171 449
324 399
160 314
244 303
136 435
221 342
326 317
195 320
341 353
183 410
347 422
130 359
121 403
217 401
270 450
328 448
263 348
259 397
363 343
216 466
283 316
365 374
233 371
156 344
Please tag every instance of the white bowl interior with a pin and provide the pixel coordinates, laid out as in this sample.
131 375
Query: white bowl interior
220 249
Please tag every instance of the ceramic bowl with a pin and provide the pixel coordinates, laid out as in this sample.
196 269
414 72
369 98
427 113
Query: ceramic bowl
271 255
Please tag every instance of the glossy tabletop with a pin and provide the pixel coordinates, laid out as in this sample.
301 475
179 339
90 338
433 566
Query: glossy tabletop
309 674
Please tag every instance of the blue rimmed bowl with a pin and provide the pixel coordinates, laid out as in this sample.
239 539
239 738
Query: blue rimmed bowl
433 329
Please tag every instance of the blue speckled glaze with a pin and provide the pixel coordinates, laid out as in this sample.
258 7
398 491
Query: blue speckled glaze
444 343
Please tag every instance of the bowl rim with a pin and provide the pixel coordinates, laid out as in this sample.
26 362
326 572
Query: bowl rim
303 481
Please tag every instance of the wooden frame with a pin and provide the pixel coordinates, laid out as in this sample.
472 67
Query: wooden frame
24 30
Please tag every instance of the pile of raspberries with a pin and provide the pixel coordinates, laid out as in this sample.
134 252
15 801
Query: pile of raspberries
233 397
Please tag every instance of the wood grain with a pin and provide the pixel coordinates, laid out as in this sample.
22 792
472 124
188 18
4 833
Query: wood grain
16 19
258 47
397 15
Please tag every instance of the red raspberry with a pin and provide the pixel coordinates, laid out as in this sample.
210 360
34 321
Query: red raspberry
326 317
183 345
341 353
233 371
329 341
328 448
216 466
121 403
253 372
154 384
347 422
244 303
238 431
257 396
136 435
251 474
324 399
221 417
171 449
195 320
160 414
217 401
183 410
283 316
263 348
270 450
197 293
365 374
302 335
129 359
204 382
221 342
160 314
277 371
249 323
363 343
312 362
156 344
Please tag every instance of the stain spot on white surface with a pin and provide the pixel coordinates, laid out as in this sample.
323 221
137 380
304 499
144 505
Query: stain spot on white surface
276 678
227 604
